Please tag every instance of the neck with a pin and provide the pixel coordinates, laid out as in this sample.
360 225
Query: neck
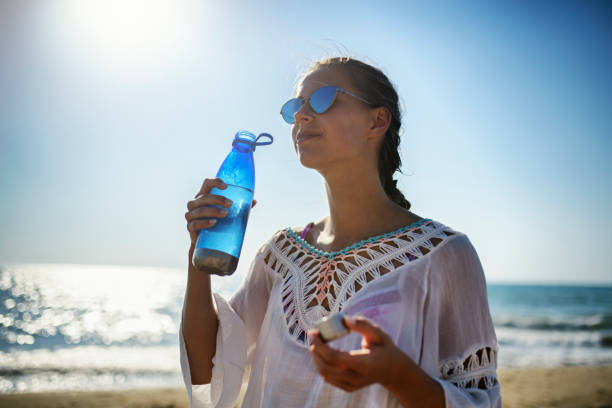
358 208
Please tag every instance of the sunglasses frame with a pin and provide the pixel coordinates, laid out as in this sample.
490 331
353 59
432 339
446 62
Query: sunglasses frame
301 100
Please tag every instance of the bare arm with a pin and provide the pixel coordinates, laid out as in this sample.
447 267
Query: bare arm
200 320
200 323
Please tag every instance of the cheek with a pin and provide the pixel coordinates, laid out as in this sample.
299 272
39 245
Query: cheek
351 139
342 127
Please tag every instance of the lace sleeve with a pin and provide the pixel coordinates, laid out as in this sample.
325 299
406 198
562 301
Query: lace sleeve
239 322
476 370
465 359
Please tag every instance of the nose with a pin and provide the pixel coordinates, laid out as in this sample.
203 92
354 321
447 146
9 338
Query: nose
304 114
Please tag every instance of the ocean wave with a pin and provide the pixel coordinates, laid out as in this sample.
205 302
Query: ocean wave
75 380
7 371
89 368
595 322
541 356
92 358
606 340
553 338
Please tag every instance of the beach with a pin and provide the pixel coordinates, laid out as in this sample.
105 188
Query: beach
107 336
564 387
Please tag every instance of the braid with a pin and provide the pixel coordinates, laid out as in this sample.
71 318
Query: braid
389 162
374 86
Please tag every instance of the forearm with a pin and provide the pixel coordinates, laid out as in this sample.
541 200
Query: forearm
413 387
200 323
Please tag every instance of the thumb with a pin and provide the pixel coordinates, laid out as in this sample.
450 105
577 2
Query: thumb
370 331
254 203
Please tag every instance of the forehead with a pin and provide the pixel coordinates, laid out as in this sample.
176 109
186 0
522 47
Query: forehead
322 77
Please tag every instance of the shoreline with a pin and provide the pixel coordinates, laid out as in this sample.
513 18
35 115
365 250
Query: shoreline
572 386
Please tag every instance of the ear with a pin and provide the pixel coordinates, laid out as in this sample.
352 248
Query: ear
380 120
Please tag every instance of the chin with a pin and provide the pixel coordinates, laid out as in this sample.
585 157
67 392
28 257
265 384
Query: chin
309 160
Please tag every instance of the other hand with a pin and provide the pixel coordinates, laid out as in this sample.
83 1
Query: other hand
376 362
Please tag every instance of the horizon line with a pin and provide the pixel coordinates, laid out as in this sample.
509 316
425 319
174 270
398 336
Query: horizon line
503 281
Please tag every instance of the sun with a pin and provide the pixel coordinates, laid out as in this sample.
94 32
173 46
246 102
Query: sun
130 32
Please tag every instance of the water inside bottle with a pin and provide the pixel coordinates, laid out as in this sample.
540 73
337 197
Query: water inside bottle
218 248
214 262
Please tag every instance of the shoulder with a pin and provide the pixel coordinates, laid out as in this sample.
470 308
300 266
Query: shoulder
280 239
445 241
292 231
299 230
274 251
455 245
279 234
456 262
432 237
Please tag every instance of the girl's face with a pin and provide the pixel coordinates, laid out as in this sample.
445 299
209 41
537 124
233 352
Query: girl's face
337 136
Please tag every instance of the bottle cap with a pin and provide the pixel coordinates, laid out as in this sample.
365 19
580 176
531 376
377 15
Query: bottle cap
249 138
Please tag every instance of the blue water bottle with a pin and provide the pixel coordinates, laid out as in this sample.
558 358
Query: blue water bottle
218 248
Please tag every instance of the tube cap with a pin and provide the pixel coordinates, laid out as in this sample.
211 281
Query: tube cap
331 327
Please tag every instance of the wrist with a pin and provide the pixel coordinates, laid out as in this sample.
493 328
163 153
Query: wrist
191 250
399 371
412 386
193 272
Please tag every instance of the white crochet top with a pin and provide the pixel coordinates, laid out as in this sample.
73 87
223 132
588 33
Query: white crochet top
423 284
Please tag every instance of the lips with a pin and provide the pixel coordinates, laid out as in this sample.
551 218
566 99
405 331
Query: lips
302 136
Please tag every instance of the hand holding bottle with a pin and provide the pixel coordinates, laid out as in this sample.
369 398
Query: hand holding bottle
201 211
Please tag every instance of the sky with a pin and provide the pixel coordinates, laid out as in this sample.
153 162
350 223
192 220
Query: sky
112 113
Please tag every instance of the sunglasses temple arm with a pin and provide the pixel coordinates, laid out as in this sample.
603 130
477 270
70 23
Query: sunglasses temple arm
353 95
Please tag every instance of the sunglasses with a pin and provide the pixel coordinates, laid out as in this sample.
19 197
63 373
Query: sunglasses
320 101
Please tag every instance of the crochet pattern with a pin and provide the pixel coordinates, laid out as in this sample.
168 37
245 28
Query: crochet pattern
317 283
477 370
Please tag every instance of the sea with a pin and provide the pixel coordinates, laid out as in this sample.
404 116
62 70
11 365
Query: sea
83 327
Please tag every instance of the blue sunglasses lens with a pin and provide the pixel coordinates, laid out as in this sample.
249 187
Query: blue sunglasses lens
322 98
320 101
289 108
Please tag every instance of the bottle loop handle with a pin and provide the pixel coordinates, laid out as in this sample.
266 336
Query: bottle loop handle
255 143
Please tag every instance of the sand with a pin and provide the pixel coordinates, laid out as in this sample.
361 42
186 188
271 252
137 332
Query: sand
574 387
557 387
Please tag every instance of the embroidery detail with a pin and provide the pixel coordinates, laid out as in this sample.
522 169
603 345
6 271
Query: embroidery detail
477 370
317 283
366 242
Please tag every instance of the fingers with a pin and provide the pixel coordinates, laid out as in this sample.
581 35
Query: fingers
205 206
205 212
333 371
195 226
202 208
337 375
371 332
344 378
326 353
209 199
209 184
346 386
356 360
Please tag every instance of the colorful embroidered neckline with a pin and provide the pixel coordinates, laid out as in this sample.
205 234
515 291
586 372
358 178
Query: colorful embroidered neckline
344 251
